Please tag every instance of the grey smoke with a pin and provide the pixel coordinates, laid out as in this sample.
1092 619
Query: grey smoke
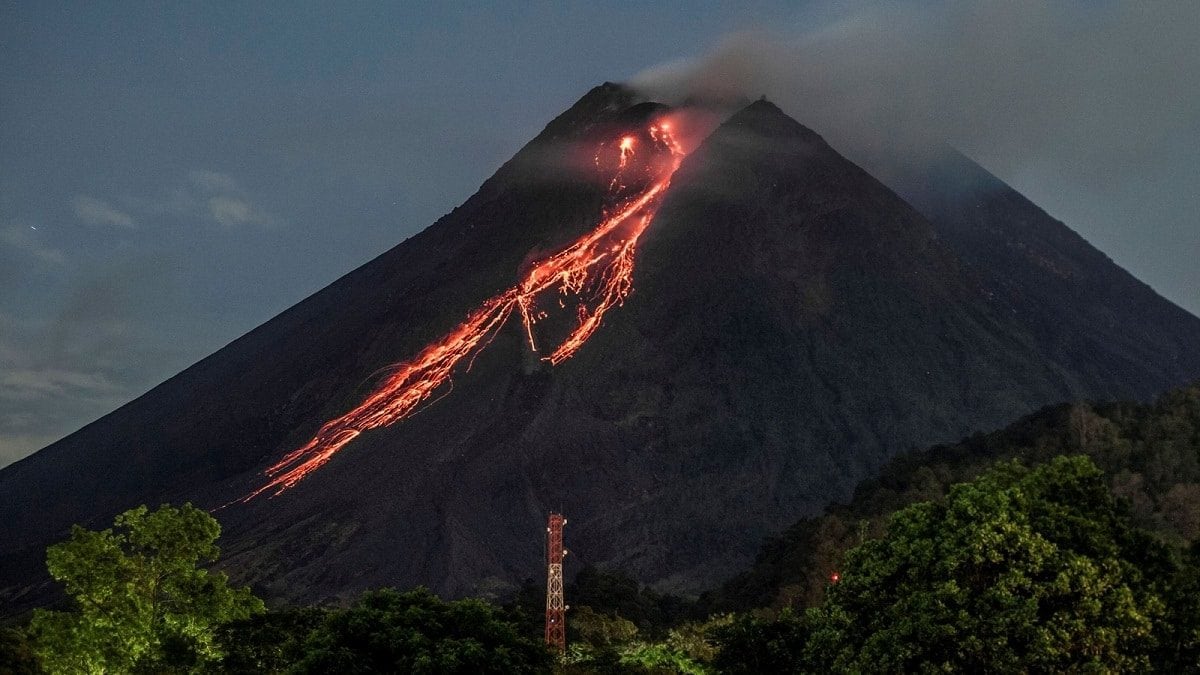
1090 109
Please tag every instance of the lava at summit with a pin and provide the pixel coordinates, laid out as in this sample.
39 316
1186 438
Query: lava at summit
595 273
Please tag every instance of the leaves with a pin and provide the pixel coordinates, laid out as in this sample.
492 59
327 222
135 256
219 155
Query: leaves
1019 569
142 601
1150 455
415 632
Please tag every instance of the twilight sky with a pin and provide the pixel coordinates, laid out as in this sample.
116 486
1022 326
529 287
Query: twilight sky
172 175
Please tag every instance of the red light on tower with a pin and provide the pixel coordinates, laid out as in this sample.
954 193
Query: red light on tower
556 609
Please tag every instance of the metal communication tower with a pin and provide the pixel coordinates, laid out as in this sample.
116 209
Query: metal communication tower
556 610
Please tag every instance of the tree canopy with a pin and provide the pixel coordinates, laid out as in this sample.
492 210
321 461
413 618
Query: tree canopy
1149 453
142 601
415 632
1021 569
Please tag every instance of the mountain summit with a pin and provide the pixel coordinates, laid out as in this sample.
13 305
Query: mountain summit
745 332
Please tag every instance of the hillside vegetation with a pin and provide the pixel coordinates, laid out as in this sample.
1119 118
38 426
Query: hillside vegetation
1149 455
1068 541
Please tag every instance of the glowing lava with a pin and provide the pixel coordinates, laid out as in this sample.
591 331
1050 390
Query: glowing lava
597 269
626 151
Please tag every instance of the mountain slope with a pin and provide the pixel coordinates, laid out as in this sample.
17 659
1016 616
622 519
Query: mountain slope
1083 309
794 324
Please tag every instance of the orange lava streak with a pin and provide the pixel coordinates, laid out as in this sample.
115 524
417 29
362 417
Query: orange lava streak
626 151
397 398
602 260
617 285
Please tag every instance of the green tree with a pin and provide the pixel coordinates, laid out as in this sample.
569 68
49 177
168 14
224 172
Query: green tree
598 629
1018 570
267 643
658 658
749 644
1147 451
1180 650
613 593
142 601
16 653
416 632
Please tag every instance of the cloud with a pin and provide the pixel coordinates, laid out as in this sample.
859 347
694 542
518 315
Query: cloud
96 352
212 181
95 212
1095 87
211 197
14 446
230 211
36 384
24 239
1089 109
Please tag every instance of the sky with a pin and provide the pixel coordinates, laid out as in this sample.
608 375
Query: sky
174 174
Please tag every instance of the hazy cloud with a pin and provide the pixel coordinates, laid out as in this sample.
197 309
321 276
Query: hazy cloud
14 446
95 212
1090 109
44 393
211 197
35 384
24 239
89 356
1017 80
234 211
212 181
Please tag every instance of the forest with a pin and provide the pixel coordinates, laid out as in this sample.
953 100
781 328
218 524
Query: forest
1069 540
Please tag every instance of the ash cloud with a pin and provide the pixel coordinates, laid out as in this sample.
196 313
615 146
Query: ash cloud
1091 110
85 360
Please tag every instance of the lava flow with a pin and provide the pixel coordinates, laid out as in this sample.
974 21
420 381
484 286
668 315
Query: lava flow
597 269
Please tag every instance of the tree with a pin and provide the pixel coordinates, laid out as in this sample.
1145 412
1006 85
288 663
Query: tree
16 653
1146 450
142 601
416 632
1018 570
614 593
1180 650
600 630
267 643
749 644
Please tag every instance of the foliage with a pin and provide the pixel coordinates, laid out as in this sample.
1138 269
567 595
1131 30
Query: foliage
695 639
608 643
1014 570
753 644
1021 569
1180 651
954 558
658 657
613 593
1150 456
600 630
142 601
527 607
16 653
268 643
416 632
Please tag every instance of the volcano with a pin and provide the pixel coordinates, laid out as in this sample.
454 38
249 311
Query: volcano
682 348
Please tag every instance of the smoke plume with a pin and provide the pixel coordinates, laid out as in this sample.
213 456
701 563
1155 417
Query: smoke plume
1090 109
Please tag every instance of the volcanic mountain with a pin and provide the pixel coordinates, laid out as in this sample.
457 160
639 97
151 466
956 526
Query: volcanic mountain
684 351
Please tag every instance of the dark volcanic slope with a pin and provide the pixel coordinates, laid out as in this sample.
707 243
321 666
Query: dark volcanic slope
267 391
794 324
1116 334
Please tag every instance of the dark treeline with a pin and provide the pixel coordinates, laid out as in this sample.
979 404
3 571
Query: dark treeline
1150 456
1067 541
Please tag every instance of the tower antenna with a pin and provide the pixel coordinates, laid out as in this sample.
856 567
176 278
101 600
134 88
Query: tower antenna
556 610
